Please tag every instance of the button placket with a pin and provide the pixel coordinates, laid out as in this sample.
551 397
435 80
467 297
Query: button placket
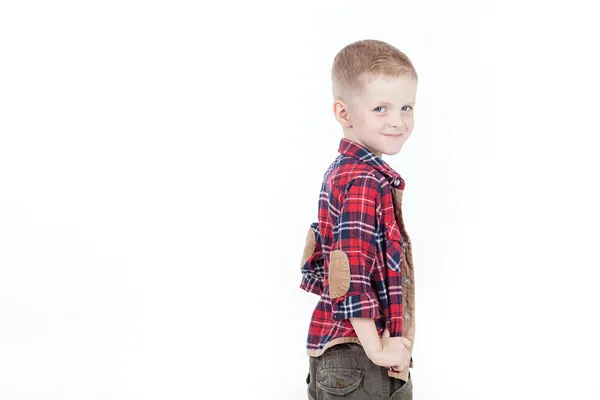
408 301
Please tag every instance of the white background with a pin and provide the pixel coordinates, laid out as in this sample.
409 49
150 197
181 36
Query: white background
160 164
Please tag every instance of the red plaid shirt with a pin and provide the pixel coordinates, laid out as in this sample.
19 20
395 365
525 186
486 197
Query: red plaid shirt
356 216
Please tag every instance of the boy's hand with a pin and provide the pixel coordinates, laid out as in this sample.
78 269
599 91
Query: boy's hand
384 351
395 351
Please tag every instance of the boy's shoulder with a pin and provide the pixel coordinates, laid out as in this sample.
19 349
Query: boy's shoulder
346 171
355 160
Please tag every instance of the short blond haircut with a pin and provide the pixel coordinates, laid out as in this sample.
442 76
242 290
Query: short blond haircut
360 62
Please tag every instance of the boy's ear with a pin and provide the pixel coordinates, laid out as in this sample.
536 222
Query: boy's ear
340 111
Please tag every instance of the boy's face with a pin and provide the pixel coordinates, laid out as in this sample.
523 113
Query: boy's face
381 118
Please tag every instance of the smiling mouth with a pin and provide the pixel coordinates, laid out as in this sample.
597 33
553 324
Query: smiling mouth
394 135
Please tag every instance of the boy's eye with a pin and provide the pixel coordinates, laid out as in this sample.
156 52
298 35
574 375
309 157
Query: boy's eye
404 108
377 108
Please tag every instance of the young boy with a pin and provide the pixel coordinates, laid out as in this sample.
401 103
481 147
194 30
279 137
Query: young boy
358 256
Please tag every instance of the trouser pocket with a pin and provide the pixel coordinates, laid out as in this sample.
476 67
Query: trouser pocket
345 372
336 382
405 391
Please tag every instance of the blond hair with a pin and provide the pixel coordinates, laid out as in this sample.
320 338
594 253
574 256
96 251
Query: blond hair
360 62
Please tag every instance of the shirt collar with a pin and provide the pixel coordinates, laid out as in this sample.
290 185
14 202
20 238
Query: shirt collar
360 152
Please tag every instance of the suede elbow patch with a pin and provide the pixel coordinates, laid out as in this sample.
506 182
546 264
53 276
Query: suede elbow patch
339 274
309 246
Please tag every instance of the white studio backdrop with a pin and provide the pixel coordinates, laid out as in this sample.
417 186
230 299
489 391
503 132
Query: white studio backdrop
160 164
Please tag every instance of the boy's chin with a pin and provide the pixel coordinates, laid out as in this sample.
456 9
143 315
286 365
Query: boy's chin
391 152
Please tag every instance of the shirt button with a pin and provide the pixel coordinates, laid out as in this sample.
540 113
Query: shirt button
406 316
407 280
397 182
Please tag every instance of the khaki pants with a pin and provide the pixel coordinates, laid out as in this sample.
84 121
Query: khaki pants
345 371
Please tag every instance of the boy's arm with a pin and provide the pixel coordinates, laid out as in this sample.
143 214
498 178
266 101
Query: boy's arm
354 249
312 265
385 351
369 338
352 256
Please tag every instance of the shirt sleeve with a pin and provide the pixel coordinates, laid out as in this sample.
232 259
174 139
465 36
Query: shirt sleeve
312 265
353 251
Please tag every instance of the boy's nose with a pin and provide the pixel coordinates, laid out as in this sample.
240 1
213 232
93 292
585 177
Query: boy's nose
397 123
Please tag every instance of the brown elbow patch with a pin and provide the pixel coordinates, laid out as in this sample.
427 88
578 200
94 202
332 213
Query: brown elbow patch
309 245
339 274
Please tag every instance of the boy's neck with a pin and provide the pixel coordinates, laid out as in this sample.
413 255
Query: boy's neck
377 153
